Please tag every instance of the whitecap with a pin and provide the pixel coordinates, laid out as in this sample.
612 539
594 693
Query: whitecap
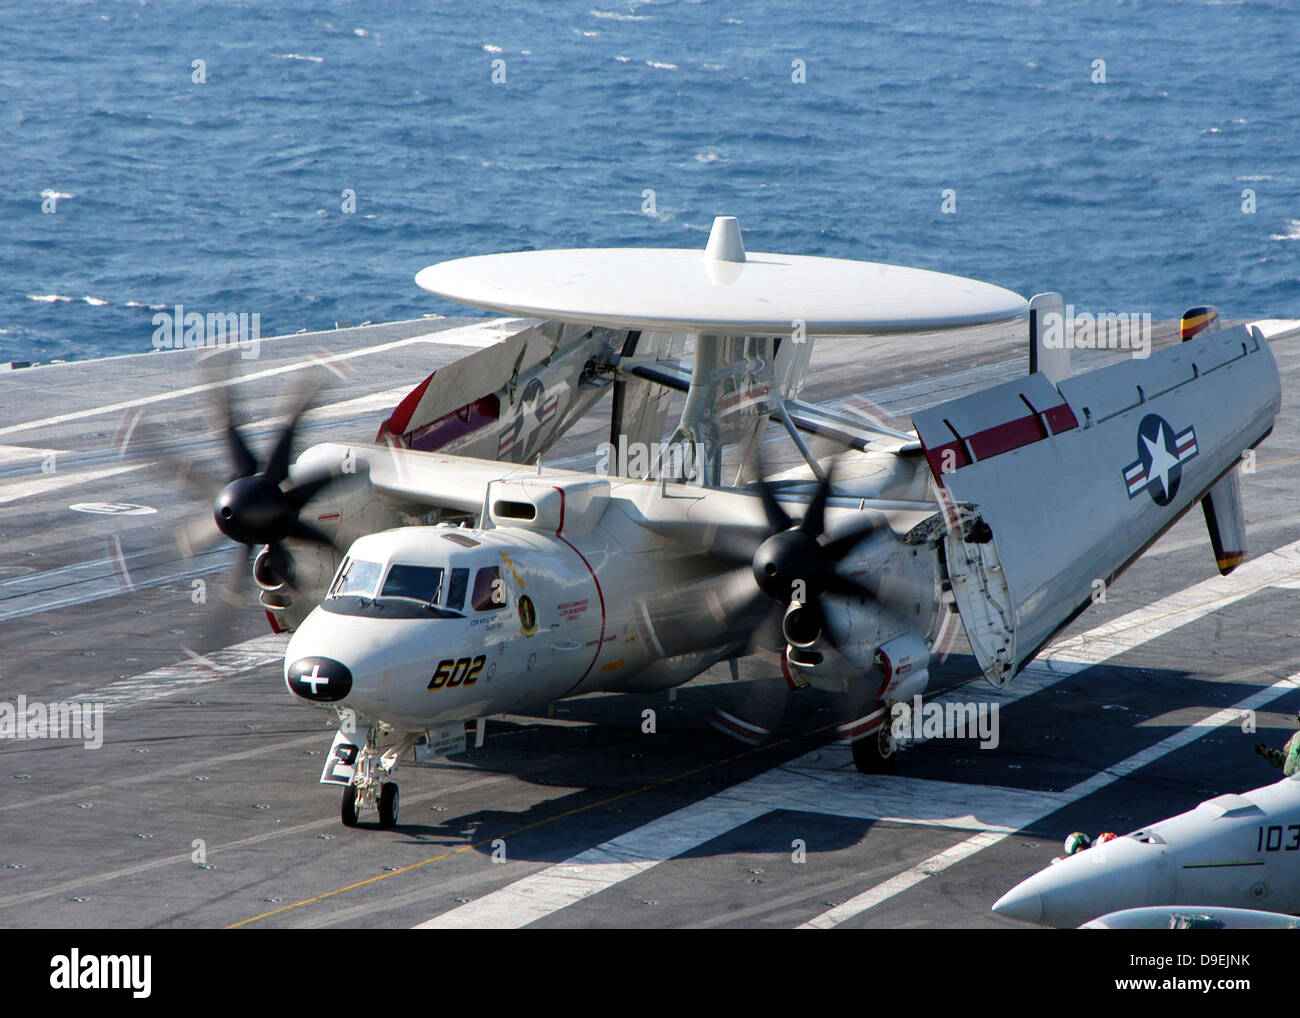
489 48
710 156
589 35
98 302
1292 231
56 195
661 66
624 60
360 31
615 16
298 56
50 298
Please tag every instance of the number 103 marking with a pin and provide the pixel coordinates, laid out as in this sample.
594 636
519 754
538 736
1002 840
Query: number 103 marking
1273 842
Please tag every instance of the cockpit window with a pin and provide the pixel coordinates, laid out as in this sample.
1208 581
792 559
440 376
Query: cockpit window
456 588
357 577
489 590
420 583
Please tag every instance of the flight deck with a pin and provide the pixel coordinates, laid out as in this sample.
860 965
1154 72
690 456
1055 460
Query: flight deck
202 808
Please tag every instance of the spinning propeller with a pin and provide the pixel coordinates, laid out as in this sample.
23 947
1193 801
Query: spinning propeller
246 501
253 508
773 594
788 572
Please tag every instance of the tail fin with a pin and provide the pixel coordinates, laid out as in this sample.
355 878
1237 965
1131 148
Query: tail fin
1224 516
1227 522
1048 349
1197 320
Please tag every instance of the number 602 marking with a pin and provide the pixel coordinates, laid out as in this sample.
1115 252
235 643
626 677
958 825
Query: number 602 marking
462 672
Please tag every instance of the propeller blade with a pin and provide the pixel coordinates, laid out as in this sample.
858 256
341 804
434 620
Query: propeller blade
814 520
767 634
277 464
197 537
304 491
777 518
838 547
846 586
245 463
306 532
220 378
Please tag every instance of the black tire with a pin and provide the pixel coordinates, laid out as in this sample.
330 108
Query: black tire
389 801
348 810
876 753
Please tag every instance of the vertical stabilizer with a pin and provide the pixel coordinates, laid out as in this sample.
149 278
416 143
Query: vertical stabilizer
1224 516
1048 344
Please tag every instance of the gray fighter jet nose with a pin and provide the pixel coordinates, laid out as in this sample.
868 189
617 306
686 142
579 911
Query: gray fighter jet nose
1022 902
321 679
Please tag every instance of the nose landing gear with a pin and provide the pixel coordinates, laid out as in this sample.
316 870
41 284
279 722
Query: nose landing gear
368 788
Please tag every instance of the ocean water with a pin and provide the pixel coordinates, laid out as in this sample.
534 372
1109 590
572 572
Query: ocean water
226 195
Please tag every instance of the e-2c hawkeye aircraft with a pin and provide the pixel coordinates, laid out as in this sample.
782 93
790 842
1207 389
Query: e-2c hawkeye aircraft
444 574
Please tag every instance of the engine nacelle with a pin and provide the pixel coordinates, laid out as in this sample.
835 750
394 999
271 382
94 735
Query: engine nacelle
273 570
905 662
801 626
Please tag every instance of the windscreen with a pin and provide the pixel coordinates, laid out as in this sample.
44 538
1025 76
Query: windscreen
420 583
357 577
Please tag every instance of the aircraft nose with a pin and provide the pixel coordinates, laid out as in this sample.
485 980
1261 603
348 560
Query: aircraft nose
1105 878
1022 902
319 679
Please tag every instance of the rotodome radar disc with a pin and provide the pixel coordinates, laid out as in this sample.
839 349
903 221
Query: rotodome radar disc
720 290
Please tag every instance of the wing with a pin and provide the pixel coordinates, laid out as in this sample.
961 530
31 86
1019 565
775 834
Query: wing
1073 481
512 399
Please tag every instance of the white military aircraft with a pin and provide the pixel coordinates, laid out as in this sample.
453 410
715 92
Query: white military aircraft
444 574
1233 855
1173 917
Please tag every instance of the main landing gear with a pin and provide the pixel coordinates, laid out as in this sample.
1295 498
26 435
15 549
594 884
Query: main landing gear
876 752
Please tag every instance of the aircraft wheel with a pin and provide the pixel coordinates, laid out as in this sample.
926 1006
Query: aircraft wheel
348 811
388 804
877 752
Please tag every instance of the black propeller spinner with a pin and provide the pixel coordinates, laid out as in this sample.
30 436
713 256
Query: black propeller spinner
253 508
792 564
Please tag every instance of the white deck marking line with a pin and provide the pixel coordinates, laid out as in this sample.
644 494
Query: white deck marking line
917 801
11 491
25 453
914 875
260 652
310 362
42 483
554 887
